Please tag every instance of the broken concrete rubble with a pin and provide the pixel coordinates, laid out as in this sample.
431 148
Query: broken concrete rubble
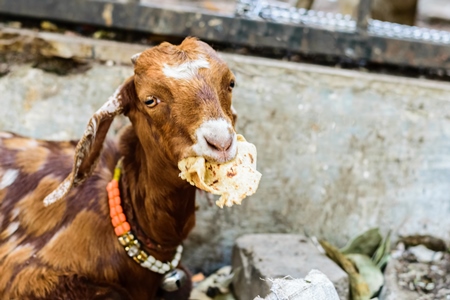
417 273
263 256
315 286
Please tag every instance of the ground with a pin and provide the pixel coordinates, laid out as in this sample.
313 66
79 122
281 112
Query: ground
431 281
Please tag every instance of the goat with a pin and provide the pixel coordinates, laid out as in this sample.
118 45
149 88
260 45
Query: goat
179 102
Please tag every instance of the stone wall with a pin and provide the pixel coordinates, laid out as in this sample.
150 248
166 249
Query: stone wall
340 151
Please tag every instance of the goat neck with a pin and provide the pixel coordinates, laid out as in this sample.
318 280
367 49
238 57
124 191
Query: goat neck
163 204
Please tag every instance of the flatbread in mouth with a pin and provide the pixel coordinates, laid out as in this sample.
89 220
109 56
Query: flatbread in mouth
233 180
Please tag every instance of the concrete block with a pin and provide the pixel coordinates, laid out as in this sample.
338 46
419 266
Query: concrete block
269 256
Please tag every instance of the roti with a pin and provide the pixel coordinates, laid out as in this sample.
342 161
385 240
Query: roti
233 180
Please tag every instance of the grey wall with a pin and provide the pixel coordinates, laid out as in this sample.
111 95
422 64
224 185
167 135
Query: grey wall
340 151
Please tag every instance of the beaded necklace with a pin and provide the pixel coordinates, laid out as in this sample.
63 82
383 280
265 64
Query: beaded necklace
126 238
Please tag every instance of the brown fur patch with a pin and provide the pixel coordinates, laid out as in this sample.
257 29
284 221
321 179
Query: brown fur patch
35 218
94 240
19 255
68 149
4 279
9 246
19 143
32 159
36 281
105 173
2 195
10 256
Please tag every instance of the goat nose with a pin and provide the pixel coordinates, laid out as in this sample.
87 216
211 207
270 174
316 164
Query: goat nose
219 144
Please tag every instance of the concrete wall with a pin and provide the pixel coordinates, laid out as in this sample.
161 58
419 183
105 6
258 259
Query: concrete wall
340 151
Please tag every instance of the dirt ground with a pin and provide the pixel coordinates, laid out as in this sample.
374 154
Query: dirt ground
430 280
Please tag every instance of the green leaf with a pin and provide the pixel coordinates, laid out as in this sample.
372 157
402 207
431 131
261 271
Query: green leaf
381 256
369 271
366 243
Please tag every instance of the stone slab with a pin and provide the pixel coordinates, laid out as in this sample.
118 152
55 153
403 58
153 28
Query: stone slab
267 256
48 44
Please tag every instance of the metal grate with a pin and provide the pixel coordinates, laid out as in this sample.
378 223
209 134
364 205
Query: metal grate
282 13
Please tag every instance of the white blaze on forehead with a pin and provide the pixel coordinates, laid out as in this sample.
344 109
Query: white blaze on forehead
8 178
186 70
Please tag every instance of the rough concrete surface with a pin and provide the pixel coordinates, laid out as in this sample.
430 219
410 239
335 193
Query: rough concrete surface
391 290
263 257
340 151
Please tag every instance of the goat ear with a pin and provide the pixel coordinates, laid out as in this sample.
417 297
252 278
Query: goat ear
89 147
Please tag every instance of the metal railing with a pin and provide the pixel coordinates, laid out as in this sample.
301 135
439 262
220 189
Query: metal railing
257 23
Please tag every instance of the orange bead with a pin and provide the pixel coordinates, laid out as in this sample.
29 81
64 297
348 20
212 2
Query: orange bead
118 209
114 183
115 221
122 218
126 227
112 202
108 187
110 195
113 212
116 201
115 192
118 231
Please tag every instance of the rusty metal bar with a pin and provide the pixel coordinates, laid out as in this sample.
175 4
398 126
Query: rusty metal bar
306 33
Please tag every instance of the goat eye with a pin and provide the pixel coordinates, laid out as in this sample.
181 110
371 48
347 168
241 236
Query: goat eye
151 101
232 84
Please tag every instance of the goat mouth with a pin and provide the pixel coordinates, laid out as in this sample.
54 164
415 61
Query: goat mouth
219 159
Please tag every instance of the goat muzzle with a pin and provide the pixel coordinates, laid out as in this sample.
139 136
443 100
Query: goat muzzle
216 141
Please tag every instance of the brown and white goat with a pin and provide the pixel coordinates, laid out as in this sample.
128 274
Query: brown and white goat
179 105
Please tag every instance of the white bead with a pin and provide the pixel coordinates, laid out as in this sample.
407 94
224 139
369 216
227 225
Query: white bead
166 267
151 259
178 256
158 264
161 271
154 268
133 251
175 262
146 264
179 249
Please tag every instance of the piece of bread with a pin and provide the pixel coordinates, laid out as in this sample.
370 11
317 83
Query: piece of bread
233 180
